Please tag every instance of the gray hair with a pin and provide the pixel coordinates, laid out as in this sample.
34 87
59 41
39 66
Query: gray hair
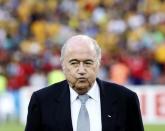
96 46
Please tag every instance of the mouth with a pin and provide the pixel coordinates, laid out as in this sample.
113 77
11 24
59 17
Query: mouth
82 79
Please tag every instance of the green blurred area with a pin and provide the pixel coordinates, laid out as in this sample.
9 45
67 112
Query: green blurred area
11 126
15 126
154 127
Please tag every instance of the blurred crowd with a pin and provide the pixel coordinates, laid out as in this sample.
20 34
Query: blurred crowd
131 34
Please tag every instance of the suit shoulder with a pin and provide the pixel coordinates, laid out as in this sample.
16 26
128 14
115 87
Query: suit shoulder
50 90
118 89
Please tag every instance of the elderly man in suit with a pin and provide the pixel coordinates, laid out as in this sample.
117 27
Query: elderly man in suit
83 102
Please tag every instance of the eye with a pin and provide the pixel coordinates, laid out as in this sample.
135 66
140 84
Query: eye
88 63
74 63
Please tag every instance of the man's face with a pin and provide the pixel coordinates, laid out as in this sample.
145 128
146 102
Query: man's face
80 67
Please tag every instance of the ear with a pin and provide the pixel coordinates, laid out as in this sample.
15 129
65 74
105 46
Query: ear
63 65
99 63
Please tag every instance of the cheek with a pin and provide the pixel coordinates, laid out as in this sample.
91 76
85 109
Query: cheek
93 73
69 73
94 70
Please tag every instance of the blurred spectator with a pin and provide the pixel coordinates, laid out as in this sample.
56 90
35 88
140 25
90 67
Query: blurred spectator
7 110
119 73
55 76
131 34
3 83
38 79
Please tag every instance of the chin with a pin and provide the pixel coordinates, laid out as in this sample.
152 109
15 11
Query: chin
82 92
82 89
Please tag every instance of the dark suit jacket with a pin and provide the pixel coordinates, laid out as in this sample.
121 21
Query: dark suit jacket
49 109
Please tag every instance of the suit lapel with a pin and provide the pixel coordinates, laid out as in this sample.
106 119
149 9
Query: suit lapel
64 109
108 107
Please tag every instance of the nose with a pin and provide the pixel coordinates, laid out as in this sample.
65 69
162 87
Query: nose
81 69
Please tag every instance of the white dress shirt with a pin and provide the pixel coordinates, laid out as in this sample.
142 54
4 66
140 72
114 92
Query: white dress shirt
93 106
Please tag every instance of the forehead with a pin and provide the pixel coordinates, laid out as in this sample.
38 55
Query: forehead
80 49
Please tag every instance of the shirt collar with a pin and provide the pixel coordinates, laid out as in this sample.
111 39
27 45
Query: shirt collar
73 95
94 93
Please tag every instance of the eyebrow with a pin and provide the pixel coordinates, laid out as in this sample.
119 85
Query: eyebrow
88 60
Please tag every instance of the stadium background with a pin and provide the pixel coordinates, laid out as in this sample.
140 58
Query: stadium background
130 32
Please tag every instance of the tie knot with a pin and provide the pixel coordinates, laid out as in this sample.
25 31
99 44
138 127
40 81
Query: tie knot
83 98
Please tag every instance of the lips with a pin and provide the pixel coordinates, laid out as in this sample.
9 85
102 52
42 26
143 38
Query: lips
82 79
